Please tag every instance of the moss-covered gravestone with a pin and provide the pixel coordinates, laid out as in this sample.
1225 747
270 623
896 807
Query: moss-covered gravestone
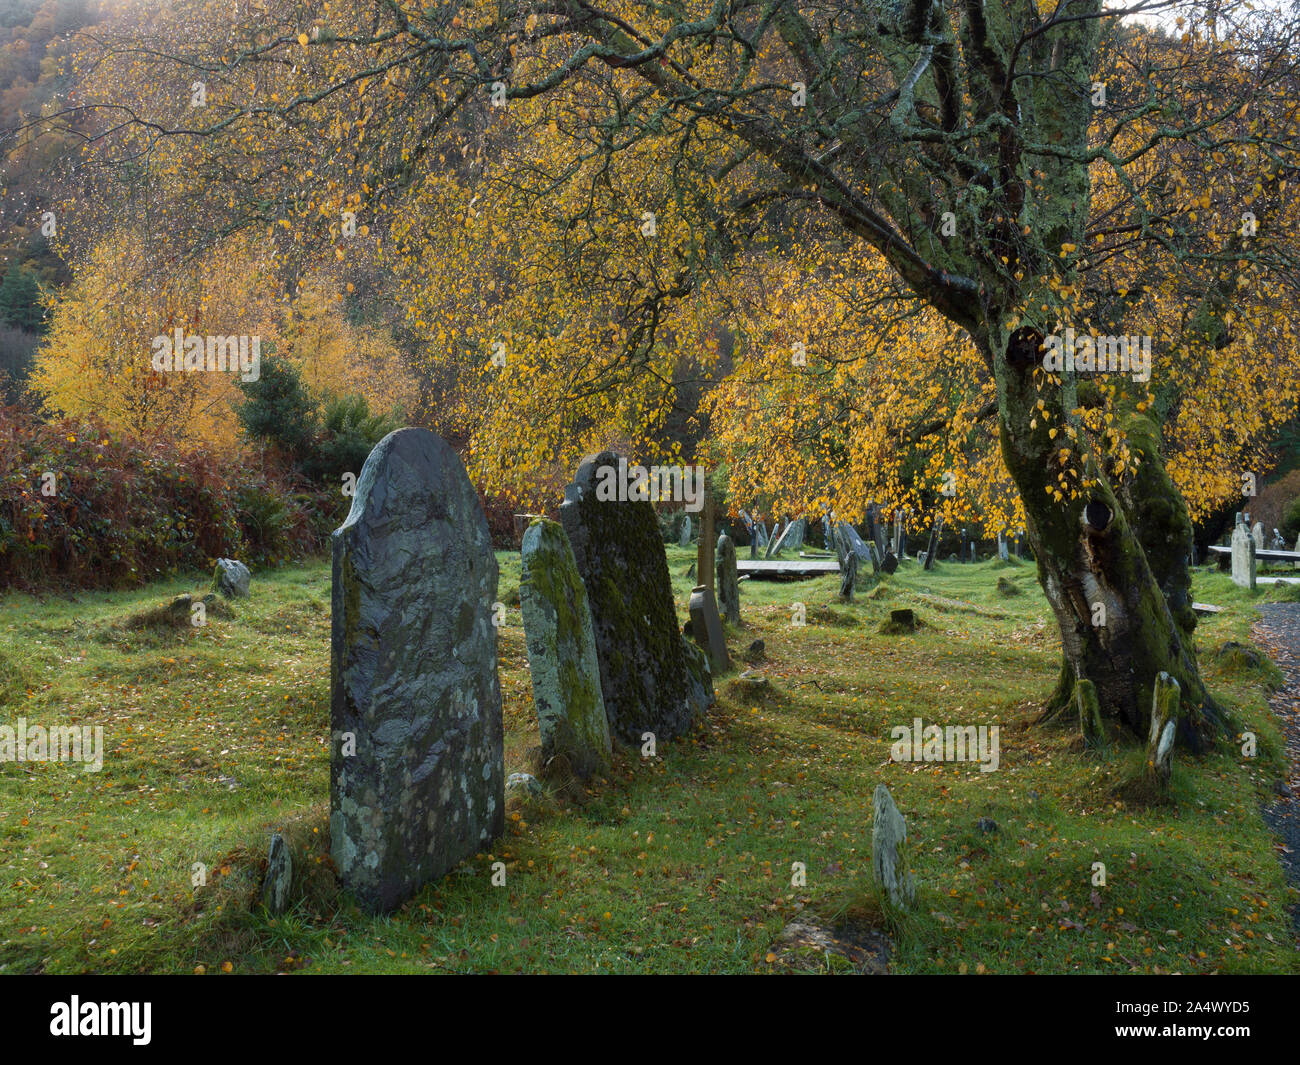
416 771
727 580
562 652
650 681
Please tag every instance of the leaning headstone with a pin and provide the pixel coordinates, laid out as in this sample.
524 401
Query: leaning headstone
728 585
787 538
848 577
706 628
890 563
854 542
684 540
889 850
1243 558
562 653
932 549
648 677
1258 534
279 876
416 772
774 543
231 578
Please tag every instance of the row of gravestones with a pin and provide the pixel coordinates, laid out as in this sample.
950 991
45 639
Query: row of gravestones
417 769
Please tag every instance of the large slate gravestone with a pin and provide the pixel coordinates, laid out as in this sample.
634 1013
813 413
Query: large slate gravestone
650 681
562 652
727 580
416 772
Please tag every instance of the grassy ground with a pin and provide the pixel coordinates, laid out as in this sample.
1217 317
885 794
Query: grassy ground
216 736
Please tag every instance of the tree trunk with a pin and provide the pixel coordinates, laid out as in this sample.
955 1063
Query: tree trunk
1117 629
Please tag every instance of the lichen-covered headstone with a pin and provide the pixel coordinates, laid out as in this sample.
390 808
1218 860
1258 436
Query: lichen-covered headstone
728 582
889 851
684 540
649 679
562 652
416 773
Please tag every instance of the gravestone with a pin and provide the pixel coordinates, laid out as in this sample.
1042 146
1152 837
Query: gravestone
932 548
728 585
800 530
1258 534
848 576
231 578
1243 558
889 564
889 850
279 876
876 560
706 628
786 539
684 540
778 534
416 772
1277 543
828 530
562 653
1002 548
648 676
897 545
853 542
759 541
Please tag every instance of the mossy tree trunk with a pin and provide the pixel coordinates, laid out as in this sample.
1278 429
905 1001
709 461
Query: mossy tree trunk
1119 590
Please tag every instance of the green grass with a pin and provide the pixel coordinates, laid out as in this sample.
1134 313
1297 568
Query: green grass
217 736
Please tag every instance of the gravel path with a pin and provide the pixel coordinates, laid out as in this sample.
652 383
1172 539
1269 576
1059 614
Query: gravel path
1278 631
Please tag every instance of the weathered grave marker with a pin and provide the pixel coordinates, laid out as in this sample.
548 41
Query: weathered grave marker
648 676
562 653
416 772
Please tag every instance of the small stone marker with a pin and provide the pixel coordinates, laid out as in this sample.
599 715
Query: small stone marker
1258 534
1165 706
889 850
279 876
848 577
231 578
1243 558
648 673
684 540
706 628
728 585
890 563
562 653
416 771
